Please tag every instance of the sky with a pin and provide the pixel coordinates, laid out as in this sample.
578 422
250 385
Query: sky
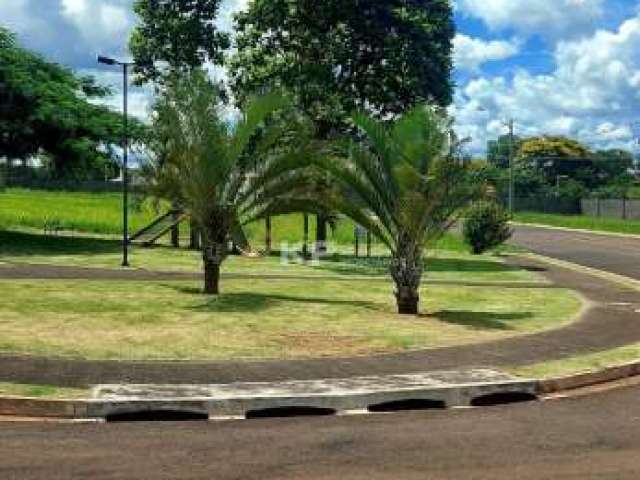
557 67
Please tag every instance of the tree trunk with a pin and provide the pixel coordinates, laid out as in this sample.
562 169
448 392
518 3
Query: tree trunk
305 237
406 270
211 278
408 300
194 236
321 234
213 255
175 230
267 240
175 236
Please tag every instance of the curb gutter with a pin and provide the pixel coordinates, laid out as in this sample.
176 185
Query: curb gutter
84 409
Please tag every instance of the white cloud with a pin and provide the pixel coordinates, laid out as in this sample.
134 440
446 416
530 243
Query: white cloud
470 53
140 98
595 83
546 17
102 24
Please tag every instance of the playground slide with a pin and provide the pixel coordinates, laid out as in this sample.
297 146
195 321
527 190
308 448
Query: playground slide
163 225
241 242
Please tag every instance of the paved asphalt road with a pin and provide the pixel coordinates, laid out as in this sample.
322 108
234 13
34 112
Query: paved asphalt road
613 254
594 437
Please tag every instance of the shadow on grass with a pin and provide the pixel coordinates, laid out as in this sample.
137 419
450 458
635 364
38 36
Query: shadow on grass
20 244
482 320
348 265
255 302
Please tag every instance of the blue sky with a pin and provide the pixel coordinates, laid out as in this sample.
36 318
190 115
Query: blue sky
568 67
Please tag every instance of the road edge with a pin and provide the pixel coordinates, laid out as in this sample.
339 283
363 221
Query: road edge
577 230
79 409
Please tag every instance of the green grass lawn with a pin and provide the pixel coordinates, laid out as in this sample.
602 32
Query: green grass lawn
41 391
262 318
600 224
101 213
582 363
91 252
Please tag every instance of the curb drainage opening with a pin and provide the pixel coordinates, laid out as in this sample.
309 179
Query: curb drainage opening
407 405
287 412
157 416
503 398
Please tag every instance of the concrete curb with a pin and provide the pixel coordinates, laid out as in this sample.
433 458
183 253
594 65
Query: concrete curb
86 409
577 230
589 379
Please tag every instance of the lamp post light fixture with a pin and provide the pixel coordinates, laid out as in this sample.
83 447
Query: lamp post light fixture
125 153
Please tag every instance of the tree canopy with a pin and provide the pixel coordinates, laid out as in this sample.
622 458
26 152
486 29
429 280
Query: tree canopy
45 108
182 35
561 166
382 56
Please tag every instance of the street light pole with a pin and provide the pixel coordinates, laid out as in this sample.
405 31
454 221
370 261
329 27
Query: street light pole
125 167
125 154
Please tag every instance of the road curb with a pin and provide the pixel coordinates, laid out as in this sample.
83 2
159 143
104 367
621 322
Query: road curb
588 379
89 409
612 277
632 236
28 407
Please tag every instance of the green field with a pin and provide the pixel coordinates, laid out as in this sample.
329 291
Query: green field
599 224
101 214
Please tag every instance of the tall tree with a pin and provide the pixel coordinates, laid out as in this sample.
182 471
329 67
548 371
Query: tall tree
383 56
45 107
555 156
225 174
179 35
379 56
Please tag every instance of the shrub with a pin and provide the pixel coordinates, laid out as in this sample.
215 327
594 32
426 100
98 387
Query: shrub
486 227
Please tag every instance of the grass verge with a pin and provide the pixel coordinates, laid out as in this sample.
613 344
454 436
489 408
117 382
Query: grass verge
597 224
581 364
41 391
262 318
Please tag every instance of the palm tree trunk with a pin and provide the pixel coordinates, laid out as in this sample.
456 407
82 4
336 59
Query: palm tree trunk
407 299
211 278
406 270
213 255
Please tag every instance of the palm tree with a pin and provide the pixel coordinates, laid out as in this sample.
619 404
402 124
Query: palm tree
225 173
404 184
